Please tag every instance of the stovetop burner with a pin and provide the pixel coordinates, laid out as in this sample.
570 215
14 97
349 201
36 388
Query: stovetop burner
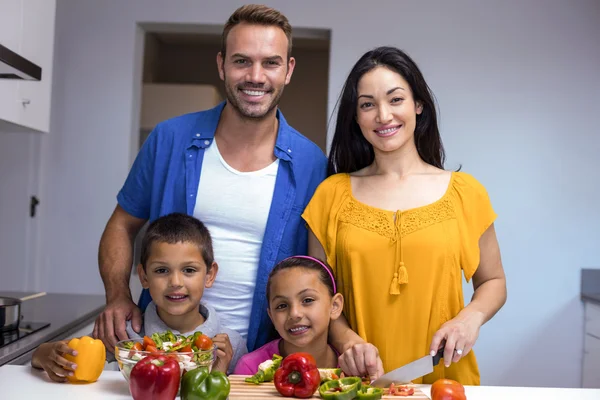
25 329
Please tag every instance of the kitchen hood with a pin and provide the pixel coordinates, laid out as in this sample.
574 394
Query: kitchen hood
13 66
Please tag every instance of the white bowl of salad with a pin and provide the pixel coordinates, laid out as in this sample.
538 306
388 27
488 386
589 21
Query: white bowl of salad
193 351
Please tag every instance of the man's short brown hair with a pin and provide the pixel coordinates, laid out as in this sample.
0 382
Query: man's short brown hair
257 15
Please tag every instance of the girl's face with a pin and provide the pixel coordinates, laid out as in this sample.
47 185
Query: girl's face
301 307
386 110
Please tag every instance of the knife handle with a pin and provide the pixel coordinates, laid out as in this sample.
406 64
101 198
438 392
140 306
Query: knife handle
438 356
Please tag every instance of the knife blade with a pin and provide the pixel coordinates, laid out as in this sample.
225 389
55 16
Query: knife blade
408 372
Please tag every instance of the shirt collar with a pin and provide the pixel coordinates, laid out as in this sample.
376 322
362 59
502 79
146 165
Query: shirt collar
203 132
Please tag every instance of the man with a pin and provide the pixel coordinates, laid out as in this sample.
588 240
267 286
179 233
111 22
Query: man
239 168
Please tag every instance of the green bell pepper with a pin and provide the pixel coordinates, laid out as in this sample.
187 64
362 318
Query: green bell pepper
340 389
266 370
329 374
199 384
367 392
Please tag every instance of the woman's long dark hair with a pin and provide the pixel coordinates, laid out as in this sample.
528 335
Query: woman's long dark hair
350 151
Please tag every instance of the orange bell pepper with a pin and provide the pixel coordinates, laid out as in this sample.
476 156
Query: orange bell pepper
90 359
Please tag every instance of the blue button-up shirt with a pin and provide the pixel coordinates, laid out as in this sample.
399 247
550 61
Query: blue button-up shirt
164 179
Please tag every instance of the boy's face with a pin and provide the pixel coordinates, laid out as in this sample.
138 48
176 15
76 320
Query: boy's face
176 276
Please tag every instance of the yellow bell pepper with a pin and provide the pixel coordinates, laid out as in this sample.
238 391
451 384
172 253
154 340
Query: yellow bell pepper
90 358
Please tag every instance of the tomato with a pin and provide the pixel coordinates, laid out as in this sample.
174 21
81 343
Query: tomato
186 349
401 390
148 342
203 342
447 389
151 349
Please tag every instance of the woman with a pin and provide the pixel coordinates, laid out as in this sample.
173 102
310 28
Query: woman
397 228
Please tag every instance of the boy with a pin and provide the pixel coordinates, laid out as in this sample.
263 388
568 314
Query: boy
176 265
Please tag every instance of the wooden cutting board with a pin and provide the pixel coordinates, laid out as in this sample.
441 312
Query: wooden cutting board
241 390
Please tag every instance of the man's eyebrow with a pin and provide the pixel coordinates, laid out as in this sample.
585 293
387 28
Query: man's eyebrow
271 58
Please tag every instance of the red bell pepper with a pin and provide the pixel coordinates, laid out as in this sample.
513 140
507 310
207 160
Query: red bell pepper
298 376
155 377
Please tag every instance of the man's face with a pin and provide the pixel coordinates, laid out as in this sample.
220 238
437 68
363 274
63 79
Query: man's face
255 69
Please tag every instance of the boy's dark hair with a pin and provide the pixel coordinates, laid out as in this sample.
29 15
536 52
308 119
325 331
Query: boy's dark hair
298 262
176 228
256 14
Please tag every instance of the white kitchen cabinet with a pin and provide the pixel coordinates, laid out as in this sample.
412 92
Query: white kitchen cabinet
10 26
591 348
29 32
10 23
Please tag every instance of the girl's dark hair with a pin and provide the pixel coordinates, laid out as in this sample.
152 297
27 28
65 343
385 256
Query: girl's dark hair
298 262
350 151
176 228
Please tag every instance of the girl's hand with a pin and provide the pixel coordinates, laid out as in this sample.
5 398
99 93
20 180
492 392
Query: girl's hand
49 357
224 352
459 334
361 359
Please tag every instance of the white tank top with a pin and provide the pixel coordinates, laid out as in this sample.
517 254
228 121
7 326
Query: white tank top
234 206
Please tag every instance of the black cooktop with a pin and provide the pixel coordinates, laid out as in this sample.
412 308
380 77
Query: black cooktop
25 329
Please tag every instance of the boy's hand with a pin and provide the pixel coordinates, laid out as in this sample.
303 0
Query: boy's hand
224 352
49 357
362 359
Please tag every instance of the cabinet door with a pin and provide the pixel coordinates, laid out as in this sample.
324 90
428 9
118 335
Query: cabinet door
10 29
37 45
10 23
591 362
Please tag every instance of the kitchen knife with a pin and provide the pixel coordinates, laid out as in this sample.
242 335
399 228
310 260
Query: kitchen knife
408 372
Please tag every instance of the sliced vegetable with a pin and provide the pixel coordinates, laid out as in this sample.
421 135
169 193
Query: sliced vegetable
401 390
169 342
369 393
157 339
148 342
266 370
329 374
340 389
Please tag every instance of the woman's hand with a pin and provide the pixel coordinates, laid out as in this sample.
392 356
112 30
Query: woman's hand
361 359
457 336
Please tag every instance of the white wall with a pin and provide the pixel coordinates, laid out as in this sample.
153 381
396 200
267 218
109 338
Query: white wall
518 88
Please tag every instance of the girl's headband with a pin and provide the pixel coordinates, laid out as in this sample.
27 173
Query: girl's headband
321 264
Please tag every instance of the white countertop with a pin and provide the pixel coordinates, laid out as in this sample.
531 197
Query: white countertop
22 382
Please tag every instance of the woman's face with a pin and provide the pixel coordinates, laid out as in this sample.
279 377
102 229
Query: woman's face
386 110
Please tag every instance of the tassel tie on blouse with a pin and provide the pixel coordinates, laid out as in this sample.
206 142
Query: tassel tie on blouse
401 273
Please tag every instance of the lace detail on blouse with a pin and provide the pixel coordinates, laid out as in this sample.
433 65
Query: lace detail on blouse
382 222
420 218
369 218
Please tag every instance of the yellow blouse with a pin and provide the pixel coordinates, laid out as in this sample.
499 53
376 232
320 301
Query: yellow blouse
400 272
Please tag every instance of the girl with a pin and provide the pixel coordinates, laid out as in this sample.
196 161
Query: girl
302 300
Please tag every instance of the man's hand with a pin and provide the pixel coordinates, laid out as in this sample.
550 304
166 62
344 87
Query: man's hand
361 359
110 325
50 358
224 352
